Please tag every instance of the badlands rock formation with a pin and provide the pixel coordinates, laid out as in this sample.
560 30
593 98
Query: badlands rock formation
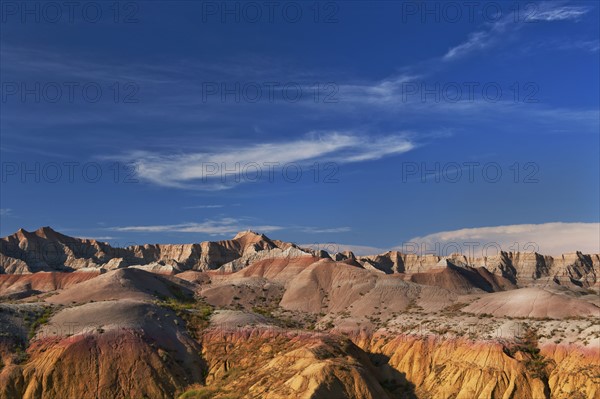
517 267
106 349
253 317
47 250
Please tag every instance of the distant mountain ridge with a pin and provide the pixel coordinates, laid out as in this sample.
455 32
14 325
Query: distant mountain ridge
48 250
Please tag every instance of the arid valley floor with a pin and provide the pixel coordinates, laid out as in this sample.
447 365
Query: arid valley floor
253 317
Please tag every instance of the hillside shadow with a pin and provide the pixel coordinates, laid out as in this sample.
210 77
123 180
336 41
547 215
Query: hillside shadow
393 381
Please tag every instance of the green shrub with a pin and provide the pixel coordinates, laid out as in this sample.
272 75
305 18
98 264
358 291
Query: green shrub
200 393
41 318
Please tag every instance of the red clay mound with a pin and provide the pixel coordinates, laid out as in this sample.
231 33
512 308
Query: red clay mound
22 285
278 270
462 280
335 287
124 284
123 349
194 276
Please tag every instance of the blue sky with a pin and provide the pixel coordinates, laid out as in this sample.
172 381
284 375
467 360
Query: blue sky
152 122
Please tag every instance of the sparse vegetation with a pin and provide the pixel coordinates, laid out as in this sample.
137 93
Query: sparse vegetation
20 355
39 318
195 311
198 393
527 344
453 309
262 311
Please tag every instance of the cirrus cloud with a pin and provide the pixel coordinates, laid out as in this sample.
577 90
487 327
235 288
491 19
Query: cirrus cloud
215 227
224 168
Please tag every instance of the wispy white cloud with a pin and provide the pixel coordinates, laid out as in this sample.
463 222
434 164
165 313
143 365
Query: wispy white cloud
204 206
5 212
215 227
222 226
98 238
546 13
591 46
493 32
547 238
220 169
476 41
319 230
409 99
380 92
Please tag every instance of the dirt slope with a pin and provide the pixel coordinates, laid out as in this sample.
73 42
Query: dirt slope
534 302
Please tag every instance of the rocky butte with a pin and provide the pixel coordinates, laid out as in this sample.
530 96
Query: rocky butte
253 317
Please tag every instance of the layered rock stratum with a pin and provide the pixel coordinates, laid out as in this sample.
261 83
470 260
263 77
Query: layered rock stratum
253 317
47 250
